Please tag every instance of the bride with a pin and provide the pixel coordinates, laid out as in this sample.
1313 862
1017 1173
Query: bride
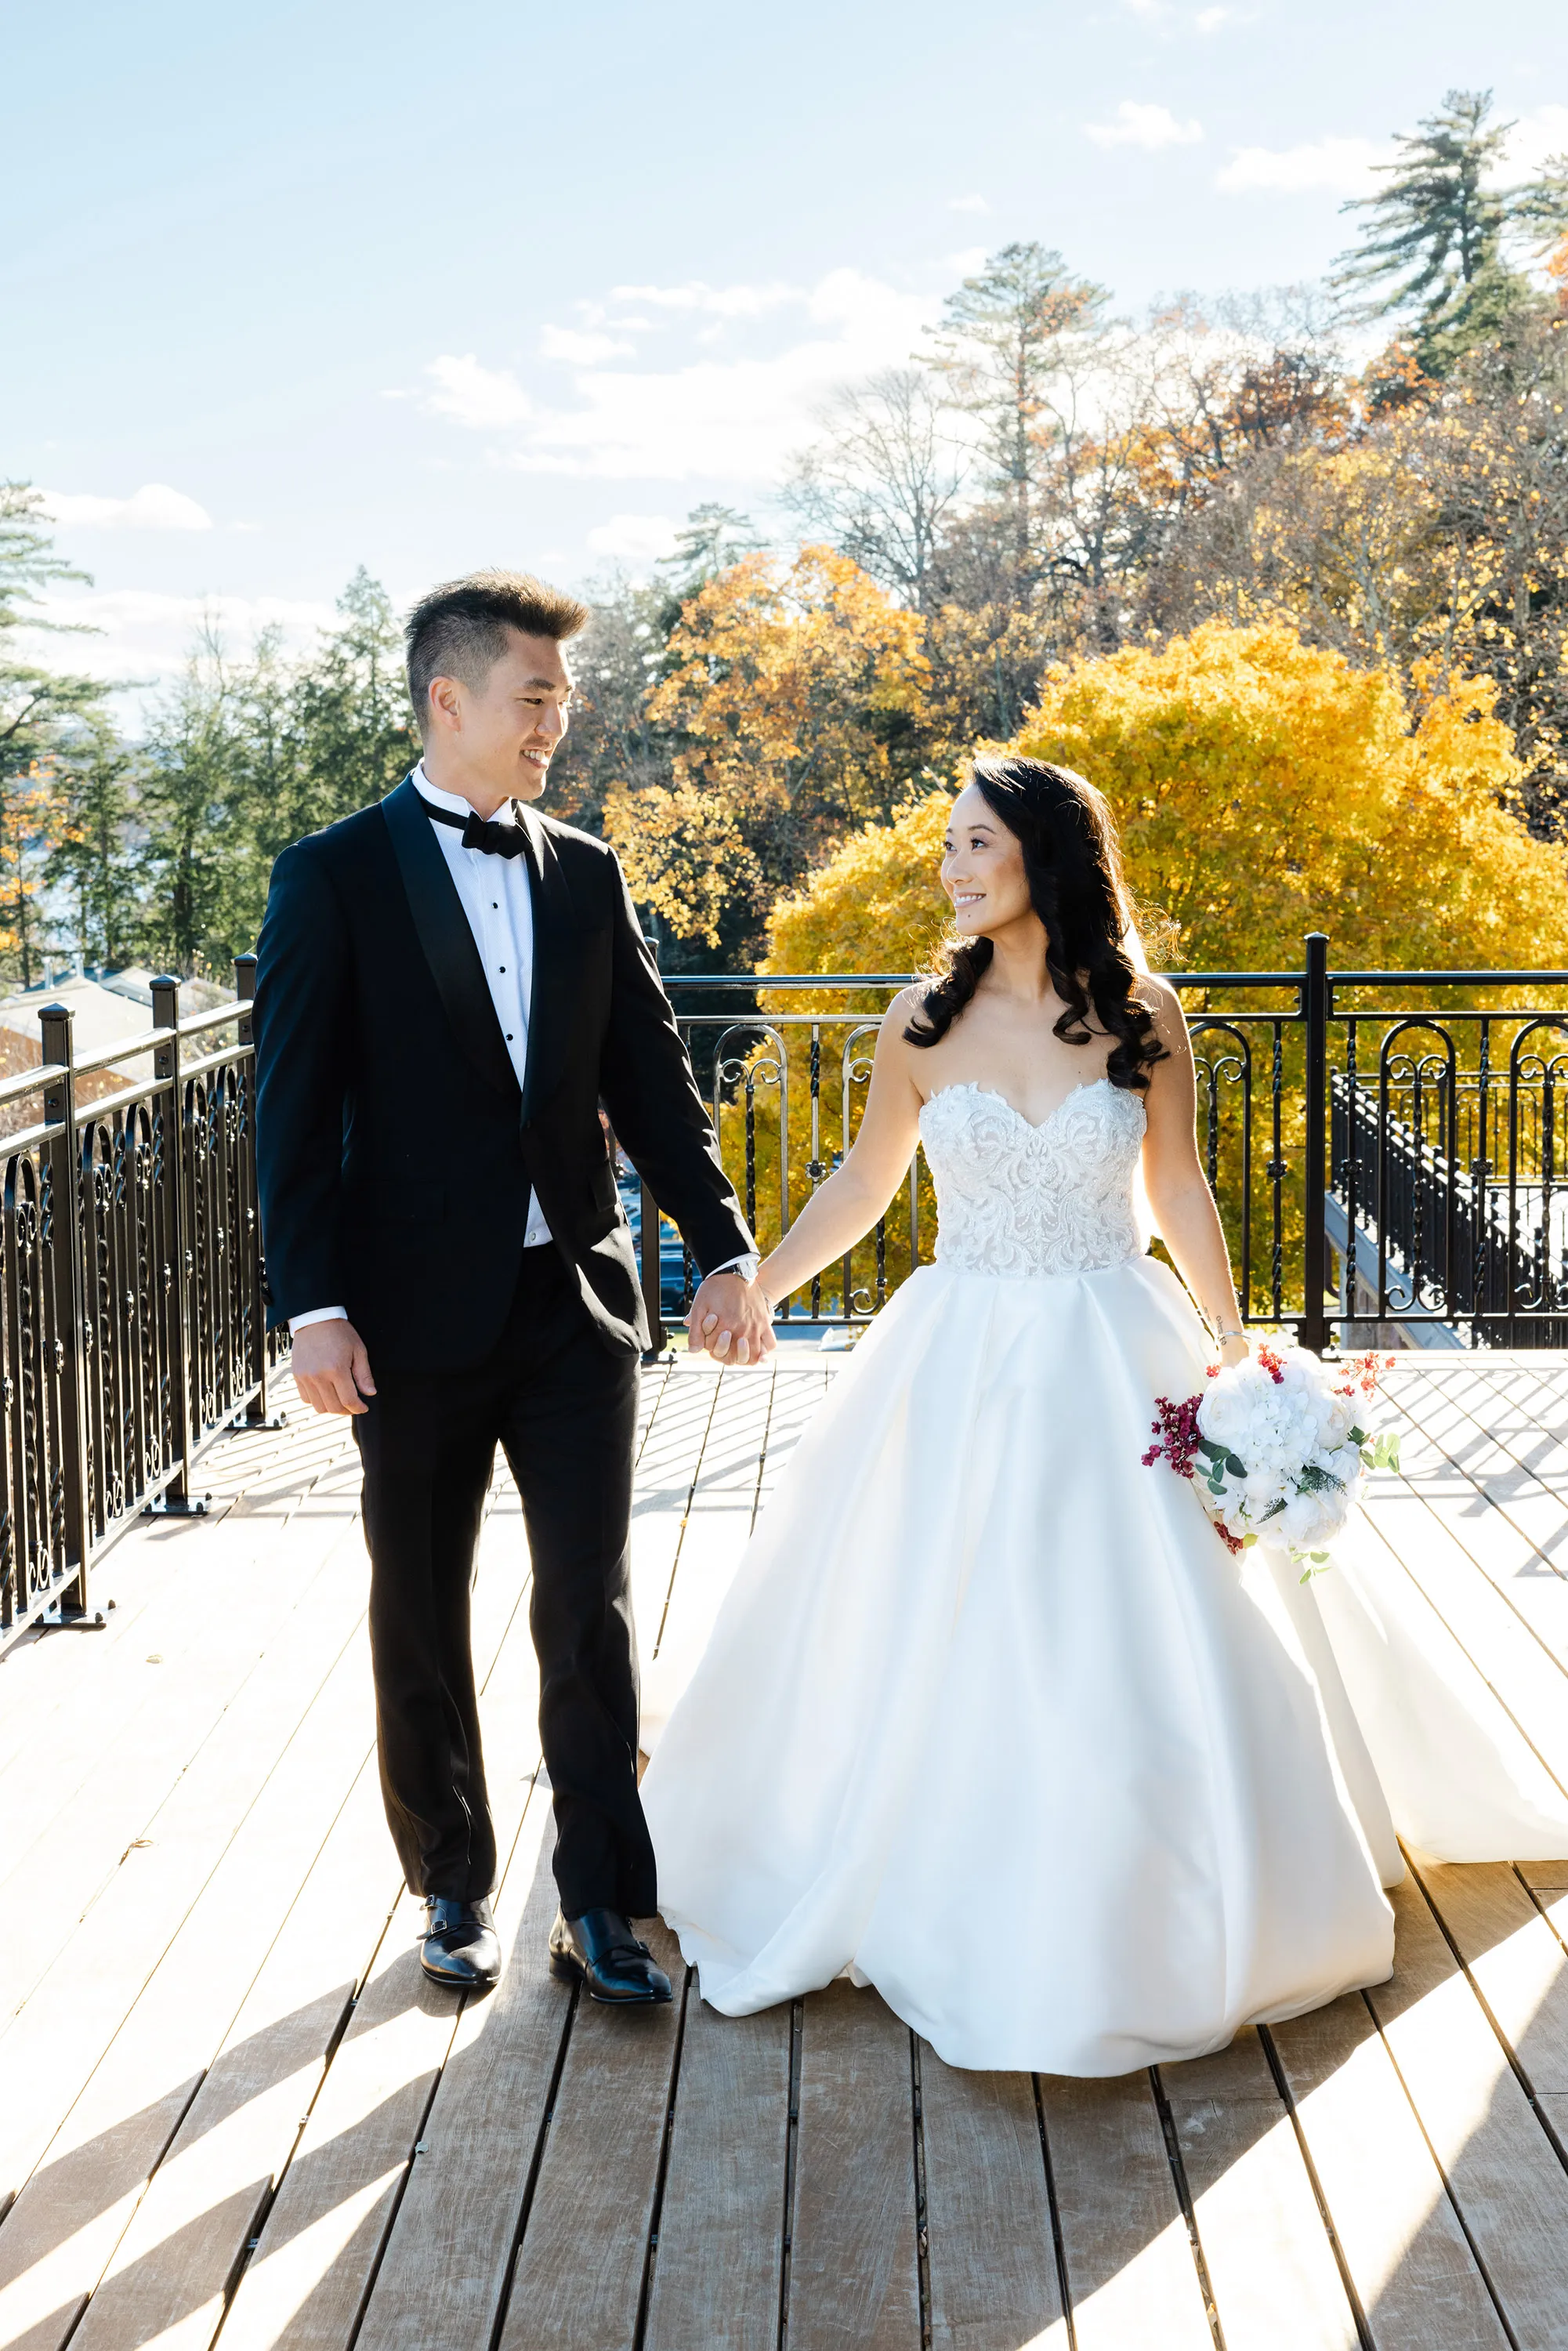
990 1717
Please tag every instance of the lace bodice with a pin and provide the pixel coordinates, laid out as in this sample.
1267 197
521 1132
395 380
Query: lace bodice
1016 1198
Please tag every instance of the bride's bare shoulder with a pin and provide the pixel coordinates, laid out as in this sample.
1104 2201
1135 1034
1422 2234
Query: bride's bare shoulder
1163 1001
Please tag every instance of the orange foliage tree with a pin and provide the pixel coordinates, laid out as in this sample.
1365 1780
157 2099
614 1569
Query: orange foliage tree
796 697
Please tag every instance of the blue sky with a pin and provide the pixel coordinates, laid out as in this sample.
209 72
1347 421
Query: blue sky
293 288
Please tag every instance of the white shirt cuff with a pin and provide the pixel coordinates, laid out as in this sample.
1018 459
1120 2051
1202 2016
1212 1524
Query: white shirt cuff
317 1315
745 1257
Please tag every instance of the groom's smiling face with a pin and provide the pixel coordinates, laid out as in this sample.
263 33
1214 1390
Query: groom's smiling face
502 735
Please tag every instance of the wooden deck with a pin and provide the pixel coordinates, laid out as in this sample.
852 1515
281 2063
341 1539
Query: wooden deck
229 2103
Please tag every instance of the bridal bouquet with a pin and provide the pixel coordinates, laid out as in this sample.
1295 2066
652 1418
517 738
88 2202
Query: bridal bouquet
1276 1447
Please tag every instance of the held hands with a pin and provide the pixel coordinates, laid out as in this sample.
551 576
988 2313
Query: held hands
731 1320
331 1367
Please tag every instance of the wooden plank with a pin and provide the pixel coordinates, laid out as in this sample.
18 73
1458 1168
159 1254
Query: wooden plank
82 1717
261 1611
1459 1455
1524 1681
991 2250
305 2283
445 2265
74 2013
1527 1579
327 2228
1129 2268
666 1473
1487 1428
76 2207
1500 2167
1514 1957
1275 2281
171 2270
578 2281
1413 2270
718 2269
717 1522
156 1580
853 2270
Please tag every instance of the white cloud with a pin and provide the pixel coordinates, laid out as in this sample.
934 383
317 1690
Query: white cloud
715 415
720 301
154 507
580 348
1210 20
483 398
634 537
968 204
144 637
1539 133
1340 167
1144 126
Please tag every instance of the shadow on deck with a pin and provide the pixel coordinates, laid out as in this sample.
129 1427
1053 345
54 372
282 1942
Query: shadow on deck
228 2100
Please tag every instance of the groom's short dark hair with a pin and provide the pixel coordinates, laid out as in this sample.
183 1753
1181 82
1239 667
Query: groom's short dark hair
459 629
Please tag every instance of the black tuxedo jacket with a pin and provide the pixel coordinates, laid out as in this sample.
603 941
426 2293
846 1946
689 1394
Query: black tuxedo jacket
395 1149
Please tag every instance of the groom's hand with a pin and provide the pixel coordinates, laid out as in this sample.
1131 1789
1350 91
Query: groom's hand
331 1367
731 1320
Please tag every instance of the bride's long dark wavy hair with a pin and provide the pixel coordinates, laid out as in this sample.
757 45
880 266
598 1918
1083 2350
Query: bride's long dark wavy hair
1073 865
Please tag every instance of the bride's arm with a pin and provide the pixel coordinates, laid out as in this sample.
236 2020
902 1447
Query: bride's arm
1184 1213
849 1204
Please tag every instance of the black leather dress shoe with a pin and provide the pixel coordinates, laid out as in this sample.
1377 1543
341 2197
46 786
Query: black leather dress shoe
461 1948
599 1951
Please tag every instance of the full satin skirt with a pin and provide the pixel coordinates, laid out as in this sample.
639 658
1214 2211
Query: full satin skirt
991 1718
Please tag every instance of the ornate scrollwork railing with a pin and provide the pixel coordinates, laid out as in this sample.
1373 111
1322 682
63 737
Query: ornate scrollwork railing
1374 1166
131 1314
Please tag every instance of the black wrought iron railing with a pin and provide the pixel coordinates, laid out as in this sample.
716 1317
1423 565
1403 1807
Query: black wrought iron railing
132 1320
1387 1147
1387 1150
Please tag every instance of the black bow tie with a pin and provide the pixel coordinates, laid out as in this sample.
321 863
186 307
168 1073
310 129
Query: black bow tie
482 831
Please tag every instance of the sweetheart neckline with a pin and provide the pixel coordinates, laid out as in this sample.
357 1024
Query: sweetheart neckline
993 1093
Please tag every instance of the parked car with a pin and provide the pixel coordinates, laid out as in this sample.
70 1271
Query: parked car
672 1254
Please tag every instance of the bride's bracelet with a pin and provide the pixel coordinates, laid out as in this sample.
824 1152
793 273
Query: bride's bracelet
1220 1336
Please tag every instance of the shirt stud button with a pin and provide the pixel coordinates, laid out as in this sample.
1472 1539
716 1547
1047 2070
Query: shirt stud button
503 967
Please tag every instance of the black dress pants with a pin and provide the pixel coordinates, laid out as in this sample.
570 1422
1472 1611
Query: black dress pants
564 1407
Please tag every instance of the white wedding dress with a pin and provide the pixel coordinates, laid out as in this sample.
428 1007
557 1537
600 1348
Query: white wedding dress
990 1717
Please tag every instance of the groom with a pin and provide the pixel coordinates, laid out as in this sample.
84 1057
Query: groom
448 986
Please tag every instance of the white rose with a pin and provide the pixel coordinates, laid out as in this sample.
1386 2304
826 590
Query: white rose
1301 1522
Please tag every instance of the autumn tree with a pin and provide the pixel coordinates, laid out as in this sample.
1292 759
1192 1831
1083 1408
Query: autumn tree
794 699
1264 787
1436 531
612 744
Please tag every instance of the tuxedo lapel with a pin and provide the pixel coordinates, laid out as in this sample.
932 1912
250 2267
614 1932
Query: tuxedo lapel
445 937
550 1009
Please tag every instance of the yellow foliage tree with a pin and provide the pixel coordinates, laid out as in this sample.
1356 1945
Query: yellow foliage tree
1265 787
798 699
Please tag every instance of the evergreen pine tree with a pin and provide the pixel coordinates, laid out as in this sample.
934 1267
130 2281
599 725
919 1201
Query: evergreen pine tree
1432 241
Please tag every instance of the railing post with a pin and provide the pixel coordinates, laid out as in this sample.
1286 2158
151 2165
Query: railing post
1315 1328
256 1412
176 1498
56 1021
653 1286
